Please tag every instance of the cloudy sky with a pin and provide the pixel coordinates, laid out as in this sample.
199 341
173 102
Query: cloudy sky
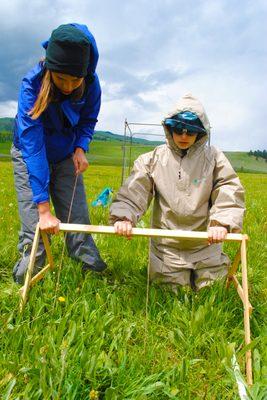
153 52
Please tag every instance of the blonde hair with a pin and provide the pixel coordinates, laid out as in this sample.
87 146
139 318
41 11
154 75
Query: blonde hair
49 93
44 96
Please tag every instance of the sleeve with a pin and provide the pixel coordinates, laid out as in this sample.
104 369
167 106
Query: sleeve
134 197
31 138
227 197
88 117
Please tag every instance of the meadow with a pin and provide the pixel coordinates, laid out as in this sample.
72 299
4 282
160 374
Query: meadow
92 343
110 152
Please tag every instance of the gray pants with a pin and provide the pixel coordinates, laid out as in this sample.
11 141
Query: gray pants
194 274
62 177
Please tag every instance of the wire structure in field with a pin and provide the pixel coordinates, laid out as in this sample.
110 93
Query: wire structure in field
138 136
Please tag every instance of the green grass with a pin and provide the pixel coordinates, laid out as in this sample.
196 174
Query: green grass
5 148
241 161
111 153
95 339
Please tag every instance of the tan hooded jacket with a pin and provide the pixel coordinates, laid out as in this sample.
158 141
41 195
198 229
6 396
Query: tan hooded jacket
192 192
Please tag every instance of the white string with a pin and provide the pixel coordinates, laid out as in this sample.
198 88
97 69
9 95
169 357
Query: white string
147 297
148 277
65 238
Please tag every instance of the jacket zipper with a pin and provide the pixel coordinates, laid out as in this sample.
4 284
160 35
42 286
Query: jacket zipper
179 172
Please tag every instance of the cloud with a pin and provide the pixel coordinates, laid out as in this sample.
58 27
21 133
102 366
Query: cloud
8 108
151 54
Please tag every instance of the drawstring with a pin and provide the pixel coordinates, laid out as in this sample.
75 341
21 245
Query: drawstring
148 276
65 238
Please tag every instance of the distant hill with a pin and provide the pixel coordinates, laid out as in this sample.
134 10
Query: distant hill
109 136
107 149
242 161
6 126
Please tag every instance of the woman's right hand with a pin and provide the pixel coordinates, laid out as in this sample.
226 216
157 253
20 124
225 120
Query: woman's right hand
47 222
123 228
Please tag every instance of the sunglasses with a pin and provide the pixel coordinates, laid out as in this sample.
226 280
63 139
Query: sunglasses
183 131
180 127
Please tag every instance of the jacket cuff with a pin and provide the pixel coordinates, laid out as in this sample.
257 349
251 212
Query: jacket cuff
122 215
41 198
214 222
82 142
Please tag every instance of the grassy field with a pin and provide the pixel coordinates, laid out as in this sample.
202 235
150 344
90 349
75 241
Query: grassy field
243 162
5 148
91 345
111 153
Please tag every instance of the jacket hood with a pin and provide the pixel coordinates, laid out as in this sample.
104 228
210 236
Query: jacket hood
94 55
189 103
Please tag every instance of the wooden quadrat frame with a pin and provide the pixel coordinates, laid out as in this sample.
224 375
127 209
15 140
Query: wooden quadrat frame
241 257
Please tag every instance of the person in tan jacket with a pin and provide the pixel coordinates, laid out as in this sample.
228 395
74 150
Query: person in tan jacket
194 188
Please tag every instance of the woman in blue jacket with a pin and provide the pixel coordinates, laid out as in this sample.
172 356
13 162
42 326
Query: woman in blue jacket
58 106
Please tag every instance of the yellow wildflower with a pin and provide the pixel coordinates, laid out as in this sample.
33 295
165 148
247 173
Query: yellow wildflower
93 395
61 299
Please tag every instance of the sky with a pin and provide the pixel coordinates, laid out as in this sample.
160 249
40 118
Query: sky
151 54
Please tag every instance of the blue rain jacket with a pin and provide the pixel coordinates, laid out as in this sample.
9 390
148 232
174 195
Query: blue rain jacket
49 139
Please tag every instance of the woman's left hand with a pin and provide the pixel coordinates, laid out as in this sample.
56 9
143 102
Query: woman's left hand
80 161
216 234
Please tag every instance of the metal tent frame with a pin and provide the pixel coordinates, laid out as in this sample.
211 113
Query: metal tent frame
129 134
128 137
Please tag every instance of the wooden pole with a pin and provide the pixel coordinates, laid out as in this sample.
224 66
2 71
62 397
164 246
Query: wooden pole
39 276
240 291
246 311
24 290
148 232
233 268
47 249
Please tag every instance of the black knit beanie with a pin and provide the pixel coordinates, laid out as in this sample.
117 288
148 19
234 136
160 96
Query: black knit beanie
68 51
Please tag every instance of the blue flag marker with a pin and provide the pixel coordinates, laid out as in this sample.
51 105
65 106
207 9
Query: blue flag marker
104 198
